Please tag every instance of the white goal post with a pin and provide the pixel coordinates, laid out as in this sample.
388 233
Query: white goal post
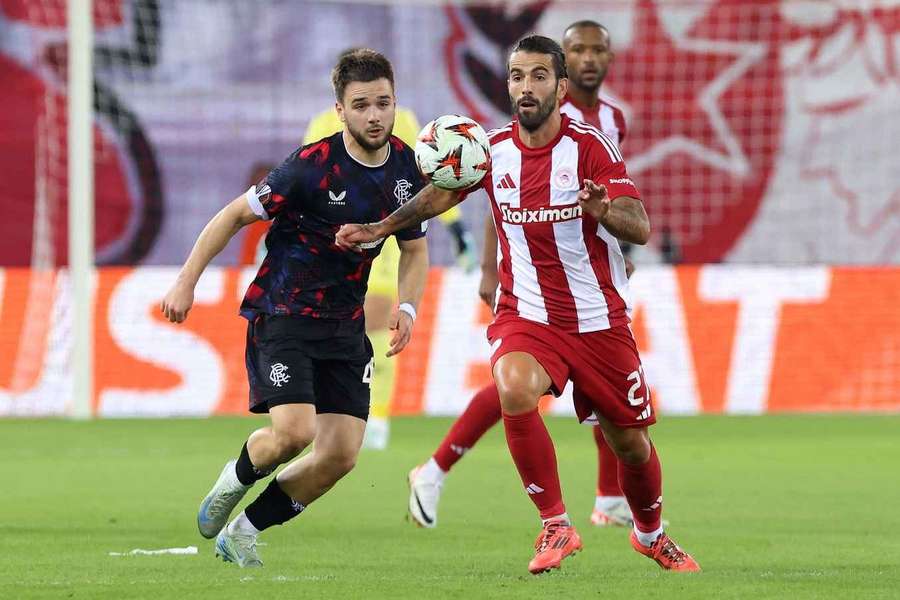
81 202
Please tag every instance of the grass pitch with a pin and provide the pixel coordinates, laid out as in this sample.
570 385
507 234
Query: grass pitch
772 507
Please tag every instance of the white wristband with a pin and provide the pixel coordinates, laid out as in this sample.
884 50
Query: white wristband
408 309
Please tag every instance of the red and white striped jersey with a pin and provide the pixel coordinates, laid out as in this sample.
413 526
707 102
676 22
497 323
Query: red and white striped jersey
558 266
606 116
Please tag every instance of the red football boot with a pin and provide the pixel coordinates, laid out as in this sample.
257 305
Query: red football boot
557 540
667 554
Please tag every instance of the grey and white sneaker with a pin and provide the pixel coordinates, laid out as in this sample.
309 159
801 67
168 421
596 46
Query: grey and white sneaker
424 494
238 548
220 501
615 513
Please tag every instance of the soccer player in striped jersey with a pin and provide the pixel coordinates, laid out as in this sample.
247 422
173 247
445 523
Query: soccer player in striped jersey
561 199
589 54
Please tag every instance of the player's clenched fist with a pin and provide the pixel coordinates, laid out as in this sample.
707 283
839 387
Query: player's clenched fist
178 302
349 236
593 199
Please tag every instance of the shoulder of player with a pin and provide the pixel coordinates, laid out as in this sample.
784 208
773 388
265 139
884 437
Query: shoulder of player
401 152
500 133
316 153
590 137
608 101
398 146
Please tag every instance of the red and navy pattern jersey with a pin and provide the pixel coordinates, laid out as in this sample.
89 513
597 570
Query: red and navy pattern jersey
309 196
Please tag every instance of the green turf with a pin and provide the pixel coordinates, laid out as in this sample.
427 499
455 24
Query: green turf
772 507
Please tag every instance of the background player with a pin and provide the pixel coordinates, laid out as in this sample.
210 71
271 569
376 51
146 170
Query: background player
309 362
382 294
562 313
589 54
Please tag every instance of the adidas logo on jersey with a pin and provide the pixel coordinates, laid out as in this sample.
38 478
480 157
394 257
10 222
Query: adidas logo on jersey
506 183
519 216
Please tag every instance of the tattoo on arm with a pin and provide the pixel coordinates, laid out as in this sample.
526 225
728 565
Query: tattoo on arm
627 220
429 202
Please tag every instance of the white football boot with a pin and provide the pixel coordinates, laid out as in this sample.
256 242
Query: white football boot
220 501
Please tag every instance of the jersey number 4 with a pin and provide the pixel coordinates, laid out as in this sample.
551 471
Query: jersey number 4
367 372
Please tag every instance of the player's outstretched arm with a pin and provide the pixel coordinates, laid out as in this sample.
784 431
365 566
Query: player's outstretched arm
411 276
429 202
487 288
214 237
625 218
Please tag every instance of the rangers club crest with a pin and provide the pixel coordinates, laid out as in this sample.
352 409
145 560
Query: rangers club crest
278 374
401 191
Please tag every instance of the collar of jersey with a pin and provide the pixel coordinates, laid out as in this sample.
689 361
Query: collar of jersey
563 125
368 166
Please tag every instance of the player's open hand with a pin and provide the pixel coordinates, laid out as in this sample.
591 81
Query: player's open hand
402 326
178 302
351 235
593 199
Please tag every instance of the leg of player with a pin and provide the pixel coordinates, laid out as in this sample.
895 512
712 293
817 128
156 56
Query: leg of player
521 381
640 476
426 480
610 505
292 429
338 440
337 443
378 307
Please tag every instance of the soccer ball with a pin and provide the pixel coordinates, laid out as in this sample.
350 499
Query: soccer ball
453 152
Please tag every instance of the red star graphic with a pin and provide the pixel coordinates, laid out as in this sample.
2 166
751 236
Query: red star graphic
453 159
695 101
464 129
667 80
428 137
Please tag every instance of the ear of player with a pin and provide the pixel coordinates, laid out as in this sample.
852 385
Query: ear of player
453 152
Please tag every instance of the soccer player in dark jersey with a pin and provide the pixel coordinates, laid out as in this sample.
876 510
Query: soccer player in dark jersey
309 362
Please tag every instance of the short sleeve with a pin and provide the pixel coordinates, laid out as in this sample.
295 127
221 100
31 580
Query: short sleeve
605 166
281 188
617 181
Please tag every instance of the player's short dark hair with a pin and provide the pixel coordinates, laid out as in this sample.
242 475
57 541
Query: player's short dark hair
359 64
539 44
585 23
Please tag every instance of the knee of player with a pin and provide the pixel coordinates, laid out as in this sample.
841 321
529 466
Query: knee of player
632 447
339 464
517 399
292 442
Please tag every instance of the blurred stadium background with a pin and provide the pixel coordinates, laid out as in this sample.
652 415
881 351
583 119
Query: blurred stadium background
763 135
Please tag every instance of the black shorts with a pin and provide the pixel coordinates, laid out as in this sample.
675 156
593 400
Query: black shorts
299 360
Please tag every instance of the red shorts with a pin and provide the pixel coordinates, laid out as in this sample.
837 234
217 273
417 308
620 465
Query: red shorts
604 367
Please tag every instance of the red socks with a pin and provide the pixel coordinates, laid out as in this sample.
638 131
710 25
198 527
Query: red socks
607 467
482 413
532 451
642 485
